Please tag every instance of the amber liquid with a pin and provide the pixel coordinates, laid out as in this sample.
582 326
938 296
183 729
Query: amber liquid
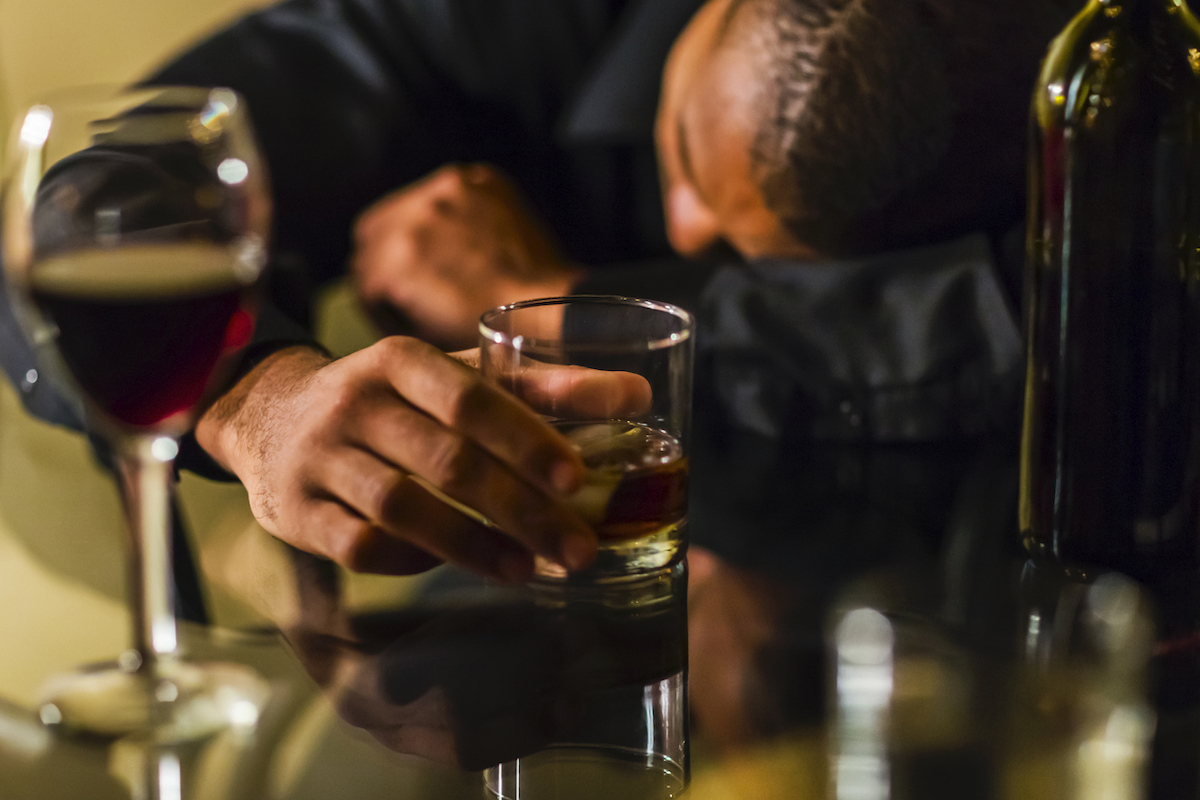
636 483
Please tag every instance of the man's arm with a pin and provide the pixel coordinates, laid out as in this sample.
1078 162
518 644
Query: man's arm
354 98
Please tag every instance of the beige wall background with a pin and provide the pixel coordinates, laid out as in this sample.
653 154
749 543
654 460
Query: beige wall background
60 519
46 44
61 526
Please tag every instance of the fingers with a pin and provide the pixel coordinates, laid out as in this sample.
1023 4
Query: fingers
570 391
441 192
377 485
388 520
462 400
581 393
372 460
332 530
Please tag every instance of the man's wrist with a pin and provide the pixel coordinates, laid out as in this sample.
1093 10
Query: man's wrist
228 429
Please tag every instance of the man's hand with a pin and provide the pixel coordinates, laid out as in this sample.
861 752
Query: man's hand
347 459
451 246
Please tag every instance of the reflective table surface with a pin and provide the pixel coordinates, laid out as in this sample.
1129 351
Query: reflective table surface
850 622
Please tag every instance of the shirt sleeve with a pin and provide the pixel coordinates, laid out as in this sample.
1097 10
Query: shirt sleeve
352 99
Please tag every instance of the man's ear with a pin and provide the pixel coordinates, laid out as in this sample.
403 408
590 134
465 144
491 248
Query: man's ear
692 226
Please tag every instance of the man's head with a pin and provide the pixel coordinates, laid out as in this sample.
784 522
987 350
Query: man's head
806 128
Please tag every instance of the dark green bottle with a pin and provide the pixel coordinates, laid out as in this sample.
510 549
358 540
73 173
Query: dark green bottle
1112 408
1111 441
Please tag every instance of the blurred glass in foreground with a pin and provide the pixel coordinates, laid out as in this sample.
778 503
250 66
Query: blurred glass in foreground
919 709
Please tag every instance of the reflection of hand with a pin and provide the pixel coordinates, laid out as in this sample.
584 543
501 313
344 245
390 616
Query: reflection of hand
733 618
475 685
451 246
346 459
470 686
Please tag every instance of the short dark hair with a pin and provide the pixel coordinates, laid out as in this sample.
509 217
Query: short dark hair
887 123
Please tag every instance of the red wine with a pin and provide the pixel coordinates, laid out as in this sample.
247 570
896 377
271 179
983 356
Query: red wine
144 331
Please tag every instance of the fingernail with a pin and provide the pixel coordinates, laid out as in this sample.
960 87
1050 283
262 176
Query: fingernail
515 567
578 551
566 477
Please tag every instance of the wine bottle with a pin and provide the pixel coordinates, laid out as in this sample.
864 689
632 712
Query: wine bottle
1111 441
1112 408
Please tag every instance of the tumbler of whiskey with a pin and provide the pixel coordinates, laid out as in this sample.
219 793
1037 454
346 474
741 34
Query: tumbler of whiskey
619 372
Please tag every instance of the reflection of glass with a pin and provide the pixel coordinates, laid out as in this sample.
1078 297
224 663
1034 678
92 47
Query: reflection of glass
905 715
227 766
1081 721
630 422
135 225
626 734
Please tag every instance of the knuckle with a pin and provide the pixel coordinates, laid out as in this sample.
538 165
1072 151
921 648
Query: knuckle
402 245
353 548
457 464
397 349
449 180
341 399
479 172
384 498
470 401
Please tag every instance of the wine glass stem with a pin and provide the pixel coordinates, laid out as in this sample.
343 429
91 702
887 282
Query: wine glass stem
146 481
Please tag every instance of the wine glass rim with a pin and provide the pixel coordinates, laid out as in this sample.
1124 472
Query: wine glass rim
491 333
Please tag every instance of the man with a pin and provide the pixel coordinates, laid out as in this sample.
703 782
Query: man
867 160
348 458
818 130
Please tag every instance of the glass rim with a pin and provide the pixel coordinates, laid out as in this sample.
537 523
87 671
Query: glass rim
520 342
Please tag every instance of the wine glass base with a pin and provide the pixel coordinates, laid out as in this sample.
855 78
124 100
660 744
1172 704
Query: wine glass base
173 702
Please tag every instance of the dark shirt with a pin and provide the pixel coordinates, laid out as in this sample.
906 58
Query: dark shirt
844 410
355 98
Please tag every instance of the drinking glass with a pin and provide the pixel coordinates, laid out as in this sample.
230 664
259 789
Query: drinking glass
134 234
619 372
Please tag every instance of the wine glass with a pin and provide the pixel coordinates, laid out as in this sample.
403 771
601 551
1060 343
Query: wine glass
135 224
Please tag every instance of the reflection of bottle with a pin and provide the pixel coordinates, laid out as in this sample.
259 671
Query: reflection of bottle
1079 724
1111 410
